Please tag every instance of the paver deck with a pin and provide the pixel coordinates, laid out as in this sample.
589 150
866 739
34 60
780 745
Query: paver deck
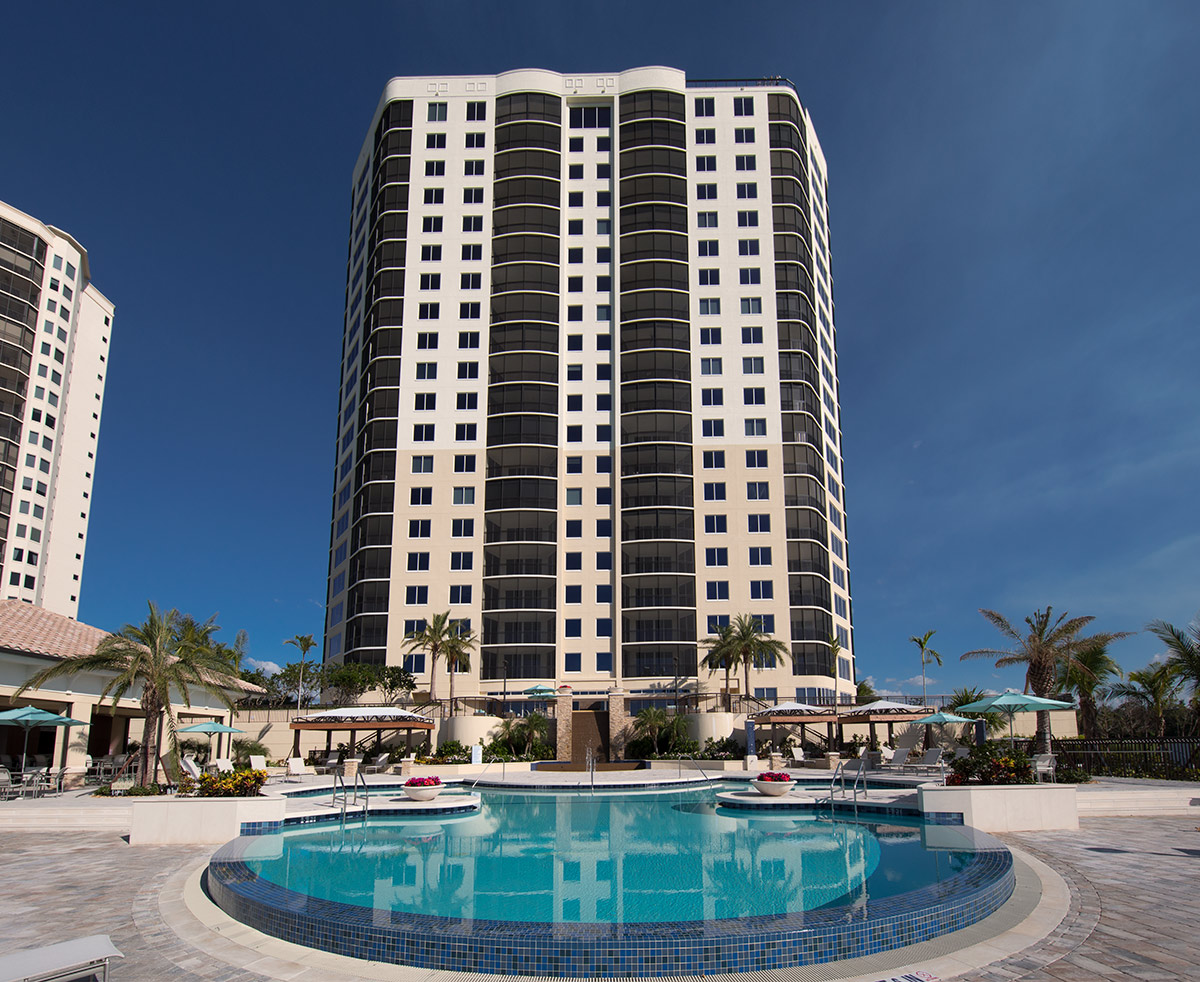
1135 906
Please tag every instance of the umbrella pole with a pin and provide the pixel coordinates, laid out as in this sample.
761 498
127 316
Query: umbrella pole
25 751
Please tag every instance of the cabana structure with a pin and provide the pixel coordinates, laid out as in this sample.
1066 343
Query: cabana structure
797 714
883 711
355 718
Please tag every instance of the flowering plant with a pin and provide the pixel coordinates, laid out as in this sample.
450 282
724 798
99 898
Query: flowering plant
423 782
775 776
991 763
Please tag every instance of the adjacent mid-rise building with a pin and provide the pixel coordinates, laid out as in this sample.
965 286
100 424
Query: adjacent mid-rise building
54 338
589 390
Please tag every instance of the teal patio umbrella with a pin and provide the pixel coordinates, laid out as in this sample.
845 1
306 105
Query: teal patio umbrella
541 691
210 727
30 717
1010 703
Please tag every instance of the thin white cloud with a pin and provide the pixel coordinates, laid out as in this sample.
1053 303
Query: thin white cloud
266 667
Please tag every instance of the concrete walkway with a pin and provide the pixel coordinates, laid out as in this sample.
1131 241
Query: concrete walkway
1135 908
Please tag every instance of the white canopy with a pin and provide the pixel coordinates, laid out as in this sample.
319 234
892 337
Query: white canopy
364 714
882 706
795 709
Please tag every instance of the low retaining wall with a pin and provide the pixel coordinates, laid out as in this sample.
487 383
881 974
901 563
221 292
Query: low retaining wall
201 820
1002 808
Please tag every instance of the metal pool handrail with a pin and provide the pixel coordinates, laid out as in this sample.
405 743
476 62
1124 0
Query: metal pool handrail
696 764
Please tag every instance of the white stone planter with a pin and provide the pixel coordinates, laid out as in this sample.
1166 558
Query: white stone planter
427 793
773 789
1004 808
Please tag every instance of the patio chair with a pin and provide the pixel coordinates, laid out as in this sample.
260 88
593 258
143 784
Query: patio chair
7 788
376 764
223 765
1044 764
797 760
34 784
190 768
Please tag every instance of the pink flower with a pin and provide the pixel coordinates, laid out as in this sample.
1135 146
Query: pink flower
422 782
775 776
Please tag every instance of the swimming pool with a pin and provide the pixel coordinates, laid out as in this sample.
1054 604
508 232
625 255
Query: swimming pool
641 884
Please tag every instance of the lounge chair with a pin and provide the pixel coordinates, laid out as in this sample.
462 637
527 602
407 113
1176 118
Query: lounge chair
83 958
1044 764
899 757
930 762
190 768
797 759
331 764
377 763
223 765
297 769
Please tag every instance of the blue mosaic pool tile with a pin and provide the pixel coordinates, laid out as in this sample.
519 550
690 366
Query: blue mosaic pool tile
613 950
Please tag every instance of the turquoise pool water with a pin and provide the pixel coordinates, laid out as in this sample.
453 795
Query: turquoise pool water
664 857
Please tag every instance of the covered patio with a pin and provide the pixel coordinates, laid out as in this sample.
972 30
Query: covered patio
375 719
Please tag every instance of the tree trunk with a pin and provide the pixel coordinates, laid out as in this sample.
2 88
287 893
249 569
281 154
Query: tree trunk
1087 715
149 751
450 669
746 671
432 675
1041 680
728 694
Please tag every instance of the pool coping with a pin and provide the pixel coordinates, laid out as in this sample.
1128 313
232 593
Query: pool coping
735 945
1036 911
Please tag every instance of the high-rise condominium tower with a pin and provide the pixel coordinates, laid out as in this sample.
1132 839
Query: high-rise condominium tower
589 397
54 331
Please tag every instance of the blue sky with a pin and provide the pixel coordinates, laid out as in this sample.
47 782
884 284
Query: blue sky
1014 199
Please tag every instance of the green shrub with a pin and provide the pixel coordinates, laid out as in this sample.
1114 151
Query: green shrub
992 763
1072 775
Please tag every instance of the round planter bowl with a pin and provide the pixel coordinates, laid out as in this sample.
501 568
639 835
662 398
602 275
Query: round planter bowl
773 788
426 793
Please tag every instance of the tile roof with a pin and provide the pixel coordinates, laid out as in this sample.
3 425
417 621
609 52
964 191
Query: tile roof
37 631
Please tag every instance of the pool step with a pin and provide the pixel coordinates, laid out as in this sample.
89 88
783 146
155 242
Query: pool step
1129 801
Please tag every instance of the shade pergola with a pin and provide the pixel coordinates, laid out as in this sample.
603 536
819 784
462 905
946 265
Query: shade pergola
355 718
797 714
884 711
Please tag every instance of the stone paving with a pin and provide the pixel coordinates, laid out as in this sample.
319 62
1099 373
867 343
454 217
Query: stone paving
1135 903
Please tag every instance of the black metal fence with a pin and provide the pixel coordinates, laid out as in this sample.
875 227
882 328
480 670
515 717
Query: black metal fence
1175 759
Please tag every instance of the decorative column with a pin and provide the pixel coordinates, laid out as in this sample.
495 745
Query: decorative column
562 719
619 726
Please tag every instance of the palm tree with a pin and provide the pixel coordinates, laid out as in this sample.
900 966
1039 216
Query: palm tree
1154 687
866 693
927 655
1184 654
441 636
1047 643
650 723
305 643
168 653
718 658
534 727
458 655
744 643
1088 678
